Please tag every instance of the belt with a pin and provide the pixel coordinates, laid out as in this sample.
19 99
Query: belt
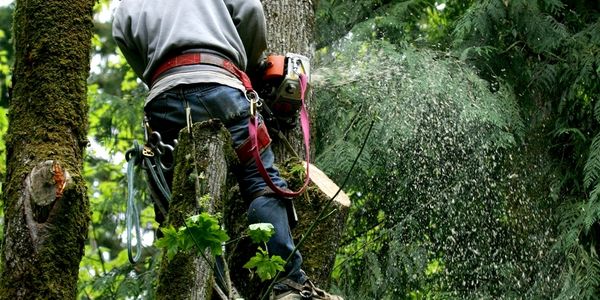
195 58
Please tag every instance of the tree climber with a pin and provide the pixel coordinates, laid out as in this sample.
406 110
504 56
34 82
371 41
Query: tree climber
190 53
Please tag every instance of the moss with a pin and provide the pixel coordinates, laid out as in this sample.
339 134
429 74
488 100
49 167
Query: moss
177 277
48 121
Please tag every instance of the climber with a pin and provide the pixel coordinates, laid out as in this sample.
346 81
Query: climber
188 53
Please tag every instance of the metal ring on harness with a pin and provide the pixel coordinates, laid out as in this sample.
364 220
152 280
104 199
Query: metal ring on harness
254 99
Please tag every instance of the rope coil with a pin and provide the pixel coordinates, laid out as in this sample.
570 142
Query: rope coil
150 161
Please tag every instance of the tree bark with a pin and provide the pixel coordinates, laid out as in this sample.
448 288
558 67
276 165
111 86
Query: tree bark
319 248
46 206
206 156
290 29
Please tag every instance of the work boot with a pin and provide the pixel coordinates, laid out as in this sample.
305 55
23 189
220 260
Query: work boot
287 289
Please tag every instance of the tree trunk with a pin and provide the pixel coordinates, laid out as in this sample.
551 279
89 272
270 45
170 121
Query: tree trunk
290 29
207 156
319 248
46 206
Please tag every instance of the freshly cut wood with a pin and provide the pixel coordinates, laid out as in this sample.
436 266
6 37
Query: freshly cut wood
327 185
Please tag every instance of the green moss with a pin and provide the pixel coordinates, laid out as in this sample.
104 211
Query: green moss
48 121
177 276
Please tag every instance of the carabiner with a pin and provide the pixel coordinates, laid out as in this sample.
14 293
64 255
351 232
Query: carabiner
254 99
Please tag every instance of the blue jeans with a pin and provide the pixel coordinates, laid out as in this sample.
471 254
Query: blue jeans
166 115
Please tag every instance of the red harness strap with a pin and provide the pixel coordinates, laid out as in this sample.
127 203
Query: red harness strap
244 151
194 58
256 146
305 125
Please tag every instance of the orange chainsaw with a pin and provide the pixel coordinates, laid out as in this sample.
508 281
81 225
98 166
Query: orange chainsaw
280 87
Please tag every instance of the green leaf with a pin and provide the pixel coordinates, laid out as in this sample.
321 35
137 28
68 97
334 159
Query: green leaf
203 231
266 267
170 241
261 232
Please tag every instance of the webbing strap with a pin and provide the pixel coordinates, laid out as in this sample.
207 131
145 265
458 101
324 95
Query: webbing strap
244 151
194 58
305 125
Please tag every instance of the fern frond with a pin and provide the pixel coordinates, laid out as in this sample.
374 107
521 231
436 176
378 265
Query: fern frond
587 70
588 273
478 21
591 169
546 77
593 31
597 109
591 209
569 227
480 51
375 273
546 33
554 6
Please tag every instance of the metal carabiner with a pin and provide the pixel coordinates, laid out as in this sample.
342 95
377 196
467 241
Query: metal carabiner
255 103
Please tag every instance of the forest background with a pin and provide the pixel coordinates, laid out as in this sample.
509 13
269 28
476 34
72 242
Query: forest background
480 178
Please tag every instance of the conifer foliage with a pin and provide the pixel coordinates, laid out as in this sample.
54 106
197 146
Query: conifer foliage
469 188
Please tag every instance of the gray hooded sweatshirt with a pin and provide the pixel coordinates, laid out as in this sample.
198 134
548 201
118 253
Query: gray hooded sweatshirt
150 31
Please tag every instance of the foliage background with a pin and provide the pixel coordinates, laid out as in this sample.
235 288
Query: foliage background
480 178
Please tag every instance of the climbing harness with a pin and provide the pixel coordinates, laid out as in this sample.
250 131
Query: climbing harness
290 73
149 157
287 76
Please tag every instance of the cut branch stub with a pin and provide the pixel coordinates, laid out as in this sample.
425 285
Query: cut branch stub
44 186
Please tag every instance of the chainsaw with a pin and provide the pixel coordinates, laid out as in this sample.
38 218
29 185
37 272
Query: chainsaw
280 88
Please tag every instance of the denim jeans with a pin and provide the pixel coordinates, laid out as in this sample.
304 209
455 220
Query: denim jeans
166 115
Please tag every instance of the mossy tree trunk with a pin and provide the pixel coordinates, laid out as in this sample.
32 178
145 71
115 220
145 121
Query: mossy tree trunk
46 207
202 168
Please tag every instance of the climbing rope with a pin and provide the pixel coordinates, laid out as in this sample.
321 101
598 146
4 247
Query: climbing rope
150 159
132 215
